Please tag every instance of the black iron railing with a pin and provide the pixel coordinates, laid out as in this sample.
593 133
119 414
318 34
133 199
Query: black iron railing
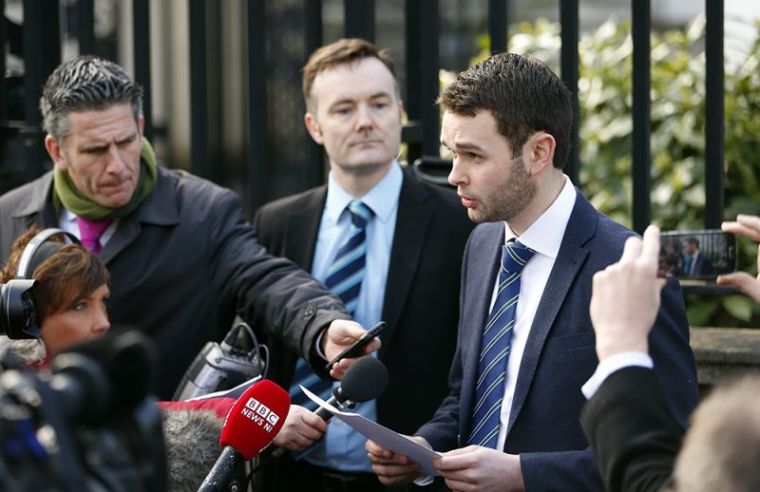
42 50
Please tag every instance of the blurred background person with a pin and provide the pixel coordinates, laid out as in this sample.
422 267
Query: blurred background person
694 262
671 259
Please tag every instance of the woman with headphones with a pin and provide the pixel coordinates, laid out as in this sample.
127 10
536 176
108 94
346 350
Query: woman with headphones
69 296
72 287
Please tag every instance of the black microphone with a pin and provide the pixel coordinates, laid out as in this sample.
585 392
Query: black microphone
365 380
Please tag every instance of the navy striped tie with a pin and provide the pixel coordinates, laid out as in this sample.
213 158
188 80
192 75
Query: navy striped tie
344 278
494 349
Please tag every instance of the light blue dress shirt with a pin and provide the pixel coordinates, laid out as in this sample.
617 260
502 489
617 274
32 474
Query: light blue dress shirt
342 448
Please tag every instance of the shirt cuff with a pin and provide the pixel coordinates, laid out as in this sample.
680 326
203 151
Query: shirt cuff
423 480
612 364
318 348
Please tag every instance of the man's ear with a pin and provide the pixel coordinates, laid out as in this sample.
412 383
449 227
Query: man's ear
312 126
55 150
540 151
141 124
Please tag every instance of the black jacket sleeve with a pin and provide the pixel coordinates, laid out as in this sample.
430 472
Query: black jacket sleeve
631 431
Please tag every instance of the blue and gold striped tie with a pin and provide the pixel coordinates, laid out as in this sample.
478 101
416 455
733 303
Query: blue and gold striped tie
495 347
344 278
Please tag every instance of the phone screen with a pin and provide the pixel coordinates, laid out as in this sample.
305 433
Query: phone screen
699 254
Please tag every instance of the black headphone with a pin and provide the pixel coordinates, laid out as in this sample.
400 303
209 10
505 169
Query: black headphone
18 315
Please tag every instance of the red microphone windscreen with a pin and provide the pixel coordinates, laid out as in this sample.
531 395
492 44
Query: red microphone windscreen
255 418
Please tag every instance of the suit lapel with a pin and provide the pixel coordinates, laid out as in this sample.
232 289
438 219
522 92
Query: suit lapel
127 231
482 262
306 219
571 256
412 222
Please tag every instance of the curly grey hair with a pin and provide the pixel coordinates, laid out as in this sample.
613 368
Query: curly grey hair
82 84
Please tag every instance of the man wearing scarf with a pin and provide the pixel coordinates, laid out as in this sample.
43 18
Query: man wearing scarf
183 260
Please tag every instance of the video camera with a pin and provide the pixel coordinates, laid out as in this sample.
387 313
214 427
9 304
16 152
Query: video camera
86 424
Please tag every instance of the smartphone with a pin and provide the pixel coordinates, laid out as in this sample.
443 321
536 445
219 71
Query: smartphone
358 346
700 254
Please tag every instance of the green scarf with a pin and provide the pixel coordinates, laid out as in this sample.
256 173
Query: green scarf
67 195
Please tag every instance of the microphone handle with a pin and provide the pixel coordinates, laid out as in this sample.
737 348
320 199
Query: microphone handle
222 471
324 413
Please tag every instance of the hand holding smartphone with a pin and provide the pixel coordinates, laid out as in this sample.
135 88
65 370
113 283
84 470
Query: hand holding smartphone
699 254
357 348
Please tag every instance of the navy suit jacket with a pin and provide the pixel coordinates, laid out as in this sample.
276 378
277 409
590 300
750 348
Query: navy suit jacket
702 265
559 357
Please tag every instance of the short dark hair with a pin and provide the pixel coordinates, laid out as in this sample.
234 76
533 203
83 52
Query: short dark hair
522 94
341 52
693 241
85 83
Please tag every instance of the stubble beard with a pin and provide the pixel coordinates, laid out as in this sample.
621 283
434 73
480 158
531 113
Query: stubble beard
509 200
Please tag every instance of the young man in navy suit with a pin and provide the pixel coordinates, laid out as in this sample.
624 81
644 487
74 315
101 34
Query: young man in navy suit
414 239
507 122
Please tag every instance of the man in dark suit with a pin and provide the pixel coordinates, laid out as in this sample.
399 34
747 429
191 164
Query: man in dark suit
627 420
510 421
183 260
695 263
414 243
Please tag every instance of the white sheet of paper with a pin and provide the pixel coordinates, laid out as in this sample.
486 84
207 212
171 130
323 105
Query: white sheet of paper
382 435
230 393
